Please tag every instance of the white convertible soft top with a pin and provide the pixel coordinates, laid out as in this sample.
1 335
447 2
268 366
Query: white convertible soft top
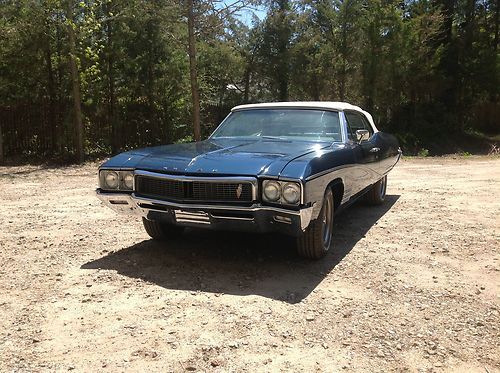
325 105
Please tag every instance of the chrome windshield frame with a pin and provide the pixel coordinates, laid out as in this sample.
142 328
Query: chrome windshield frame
339 113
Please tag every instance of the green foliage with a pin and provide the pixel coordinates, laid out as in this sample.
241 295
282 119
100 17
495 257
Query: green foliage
427 71
423 152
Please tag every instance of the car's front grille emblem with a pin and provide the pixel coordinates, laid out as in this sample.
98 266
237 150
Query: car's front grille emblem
239 190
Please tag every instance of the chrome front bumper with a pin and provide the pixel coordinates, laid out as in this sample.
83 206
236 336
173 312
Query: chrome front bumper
252 218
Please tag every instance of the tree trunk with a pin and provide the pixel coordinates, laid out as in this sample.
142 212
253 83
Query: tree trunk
342 80
494 92
61 105
246 91
343 68
284 35
495 41
75 82
370 68
193 72
154 128
469 24
115 133
52 99
1 145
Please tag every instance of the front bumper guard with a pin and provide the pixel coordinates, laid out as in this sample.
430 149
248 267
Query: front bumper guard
256 218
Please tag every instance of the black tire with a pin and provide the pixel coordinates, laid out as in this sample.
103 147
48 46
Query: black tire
376 195
316 241
161 231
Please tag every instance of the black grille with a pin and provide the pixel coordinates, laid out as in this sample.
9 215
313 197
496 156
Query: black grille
193 191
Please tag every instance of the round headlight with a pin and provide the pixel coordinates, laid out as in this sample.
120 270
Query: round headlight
111 179
291 193
272 191
128 180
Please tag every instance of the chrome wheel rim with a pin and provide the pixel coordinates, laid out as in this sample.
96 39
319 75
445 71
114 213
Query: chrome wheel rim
327 222
383 186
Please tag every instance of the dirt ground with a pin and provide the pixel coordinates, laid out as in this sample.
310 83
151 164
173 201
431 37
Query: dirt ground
412 285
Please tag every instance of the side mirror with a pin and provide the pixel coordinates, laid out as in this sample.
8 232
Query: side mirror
362 135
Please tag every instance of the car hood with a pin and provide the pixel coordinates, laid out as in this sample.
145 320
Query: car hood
218 157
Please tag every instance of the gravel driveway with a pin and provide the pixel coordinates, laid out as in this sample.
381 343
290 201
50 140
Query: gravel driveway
412 285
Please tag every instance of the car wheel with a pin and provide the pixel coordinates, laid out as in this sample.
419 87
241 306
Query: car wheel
161 231
315 242
376 195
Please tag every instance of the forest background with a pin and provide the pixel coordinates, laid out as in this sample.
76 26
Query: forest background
92 78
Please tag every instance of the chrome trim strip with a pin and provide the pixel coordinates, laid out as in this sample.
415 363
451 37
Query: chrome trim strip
196 217
228 179
282 221
192 221
343 126
182 217
116 168
322 173
231 217
210 179
219 126
198 214
284 107
254 207
192 215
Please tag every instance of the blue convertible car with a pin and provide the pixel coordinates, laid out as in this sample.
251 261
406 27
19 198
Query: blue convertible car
278 167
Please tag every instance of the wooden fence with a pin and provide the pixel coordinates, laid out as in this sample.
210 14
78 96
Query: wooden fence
42 130
32 128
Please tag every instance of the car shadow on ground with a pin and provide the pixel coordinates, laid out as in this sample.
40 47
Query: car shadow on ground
240 263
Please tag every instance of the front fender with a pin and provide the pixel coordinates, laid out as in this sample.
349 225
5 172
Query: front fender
315 187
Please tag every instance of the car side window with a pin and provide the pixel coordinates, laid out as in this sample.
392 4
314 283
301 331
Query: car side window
355 121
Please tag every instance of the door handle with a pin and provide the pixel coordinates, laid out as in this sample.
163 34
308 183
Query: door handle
374 150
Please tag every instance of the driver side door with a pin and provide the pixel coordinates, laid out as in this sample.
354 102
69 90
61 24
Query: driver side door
366 152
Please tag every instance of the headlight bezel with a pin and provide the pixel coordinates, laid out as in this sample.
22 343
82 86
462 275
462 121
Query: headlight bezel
123 176
282 185
272 184
296 188
116 180
121 185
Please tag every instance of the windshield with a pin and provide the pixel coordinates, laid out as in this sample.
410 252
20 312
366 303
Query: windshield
302 124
